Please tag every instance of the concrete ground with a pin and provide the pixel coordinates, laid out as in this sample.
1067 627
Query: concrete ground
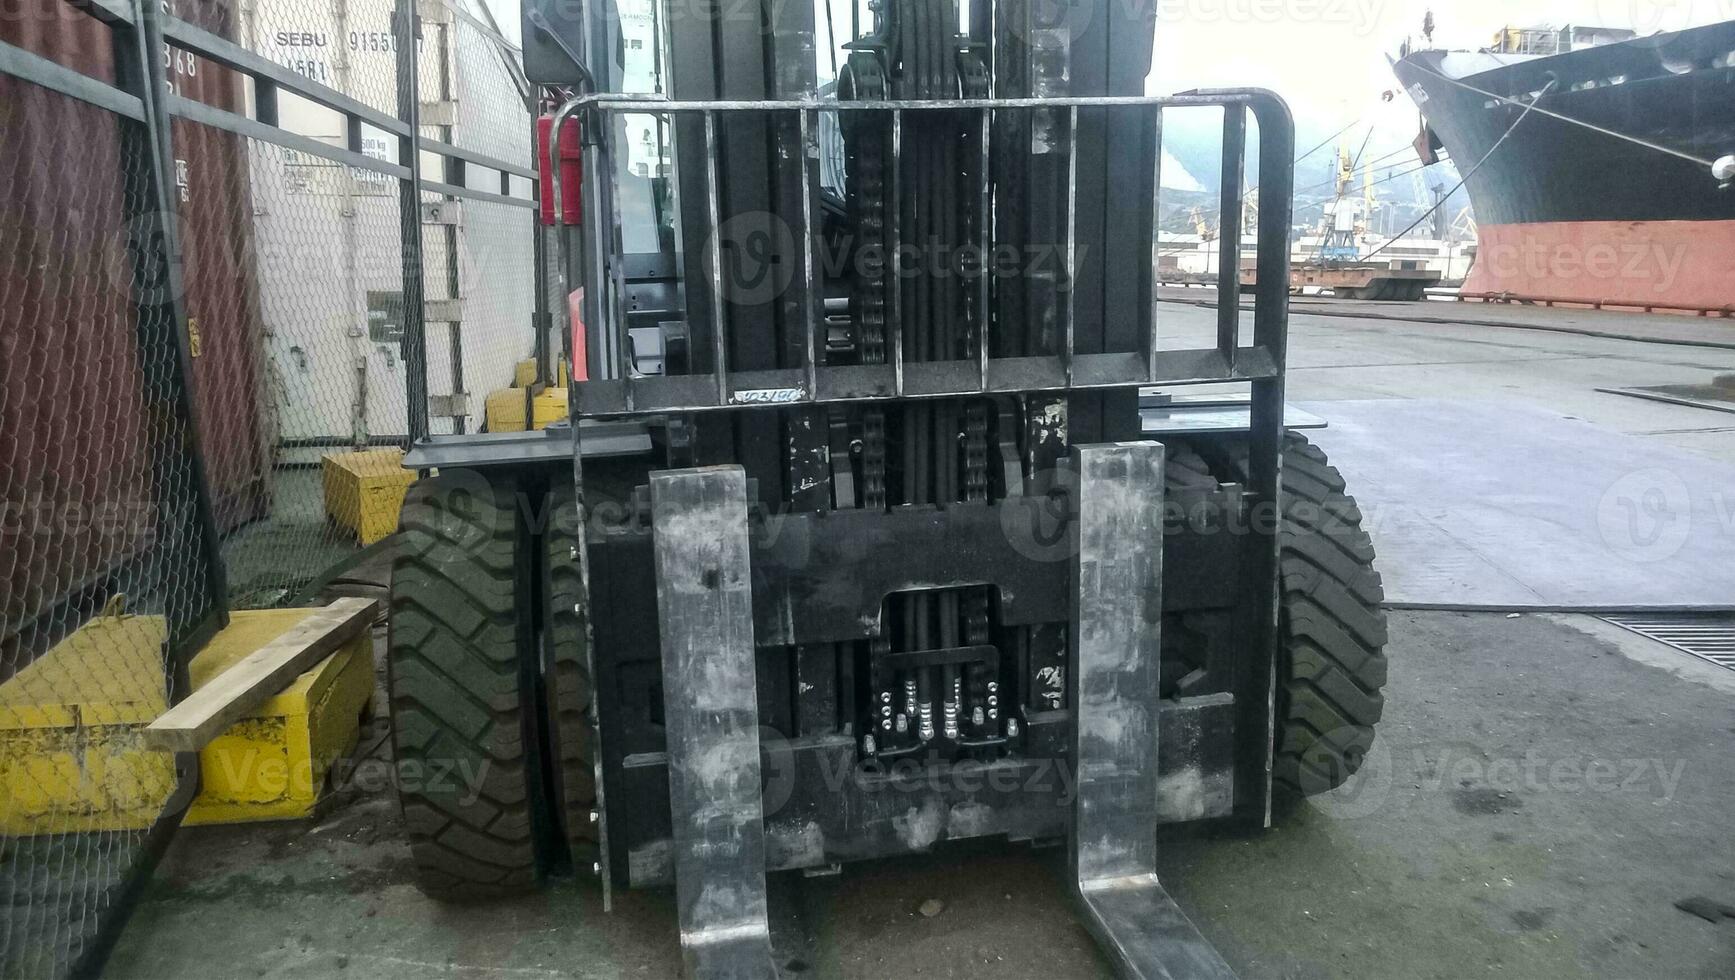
1543 790
272 561
1342 357
1666 328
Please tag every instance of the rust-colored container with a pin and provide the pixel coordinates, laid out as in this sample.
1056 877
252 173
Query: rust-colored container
74 470
222 297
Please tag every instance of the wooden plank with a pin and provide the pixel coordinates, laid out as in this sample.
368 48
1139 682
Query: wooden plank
231 695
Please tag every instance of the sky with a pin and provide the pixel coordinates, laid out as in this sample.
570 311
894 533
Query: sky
1328 57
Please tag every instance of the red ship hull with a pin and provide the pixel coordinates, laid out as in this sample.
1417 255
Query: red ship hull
1662 265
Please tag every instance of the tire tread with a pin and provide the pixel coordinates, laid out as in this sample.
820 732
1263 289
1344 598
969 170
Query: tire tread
1331 655
455 684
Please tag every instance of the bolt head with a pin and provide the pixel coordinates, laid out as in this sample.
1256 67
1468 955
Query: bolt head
1724 168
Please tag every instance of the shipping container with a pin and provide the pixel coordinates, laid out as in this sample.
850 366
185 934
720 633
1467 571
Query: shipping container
222 298
74 466
330 269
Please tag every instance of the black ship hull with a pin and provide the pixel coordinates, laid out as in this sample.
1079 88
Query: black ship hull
1573 213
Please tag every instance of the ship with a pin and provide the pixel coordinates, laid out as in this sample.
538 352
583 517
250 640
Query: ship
1599 163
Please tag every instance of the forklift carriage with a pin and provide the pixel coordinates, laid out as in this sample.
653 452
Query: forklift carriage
860 541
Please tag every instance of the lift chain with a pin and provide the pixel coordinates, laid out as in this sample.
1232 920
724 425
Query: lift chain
982 684
976 452
973 84
865 161
866 140
873 459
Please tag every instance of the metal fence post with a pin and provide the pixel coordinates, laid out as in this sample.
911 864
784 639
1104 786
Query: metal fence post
189 533
407 31
143 204
185 520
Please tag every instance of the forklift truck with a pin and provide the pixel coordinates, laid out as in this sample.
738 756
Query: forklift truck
883 517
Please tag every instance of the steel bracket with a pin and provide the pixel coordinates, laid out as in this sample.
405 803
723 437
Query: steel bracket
443 212
443 310
449 406
711 713
1117 642
439 113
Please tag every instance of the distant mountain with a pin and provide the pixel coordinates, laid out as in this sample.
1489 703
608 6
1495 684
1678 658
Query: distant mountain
1403 188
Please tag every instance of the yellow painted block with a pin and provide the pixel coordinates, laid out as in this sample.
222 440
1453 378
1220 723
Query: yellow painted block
506 409
109 672
71 758
524 373
272 765
365 491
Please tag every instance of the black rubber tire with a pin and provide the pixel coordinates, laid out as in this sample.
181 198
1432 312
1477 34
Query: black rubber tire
1187 637
1331 661
571 722
1185 469
457 686
1331 665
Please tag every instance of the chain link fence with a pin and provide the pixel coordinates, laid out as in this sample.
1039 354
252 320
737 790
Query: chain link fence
329 274
107 564
480 266
212 305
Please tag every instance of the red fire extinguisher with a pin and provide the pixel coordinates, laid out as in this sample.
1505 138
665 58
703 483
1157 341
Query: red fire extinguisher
571 170
571 211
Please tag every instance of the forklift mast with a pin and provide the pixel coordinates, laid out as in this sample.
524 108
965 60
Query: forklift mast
907 562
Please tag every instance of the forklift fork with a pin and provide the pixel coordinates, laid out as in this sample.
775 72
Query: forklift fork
704 595
1117 644
711 712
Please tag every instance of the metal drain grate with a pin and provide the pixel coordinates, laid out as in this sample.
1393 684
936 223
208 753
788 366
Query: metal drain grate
1709 637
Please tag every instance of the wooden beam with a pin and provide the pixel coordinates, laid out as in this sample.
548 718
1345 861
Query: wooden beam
231 695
